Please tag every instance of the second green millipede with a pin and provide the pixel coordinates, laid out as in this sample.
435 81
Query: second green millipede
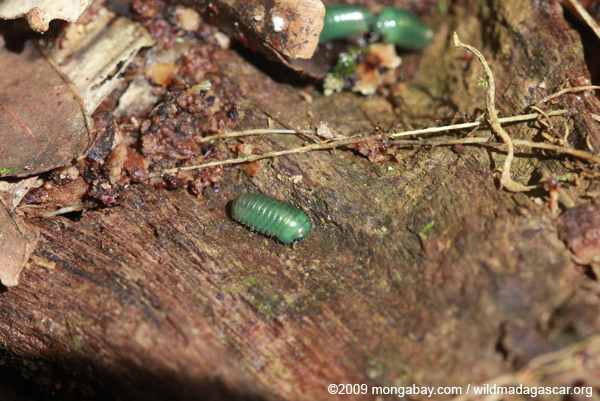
342 20
393 25
271 216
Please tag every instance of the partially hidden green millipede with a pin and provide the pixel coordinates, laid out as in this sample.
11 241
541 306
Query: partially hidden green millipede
271 216
391 24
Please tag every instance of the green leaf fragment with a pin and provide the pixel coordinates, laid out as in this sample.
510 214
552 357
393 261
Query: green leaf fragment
347 64
426 227
7 169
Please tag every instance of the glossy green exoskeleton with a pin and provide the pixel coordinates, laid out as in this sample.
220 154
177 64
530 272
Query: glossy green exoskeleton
272 217
342 20
403 28
393 25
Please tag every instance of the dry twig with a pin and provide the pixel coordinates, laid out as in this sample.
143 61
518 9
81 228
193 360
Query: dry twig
568 90
492 117
583 15
360 138
581 154
494 122
431 130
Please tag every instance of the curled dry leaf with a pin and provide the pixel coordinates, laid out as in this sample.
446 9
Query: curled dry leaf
17 241
39 13
325 132
370 77
17 189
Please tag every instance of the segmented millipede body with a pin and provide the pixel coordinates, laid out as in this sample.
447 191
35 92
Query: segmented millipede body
392 24
271 216
342 20
403 28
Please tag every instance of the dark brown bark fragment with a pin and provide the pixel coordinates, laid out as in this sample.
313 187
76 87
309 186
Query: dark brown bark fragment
285 29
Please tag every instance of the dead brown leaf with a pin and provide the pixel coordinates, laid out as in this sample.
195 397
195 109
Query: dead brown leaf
42 123
17 189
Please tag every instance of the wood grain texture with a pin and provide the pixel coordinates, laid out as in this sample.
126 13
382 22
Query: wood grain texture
164 295
105 47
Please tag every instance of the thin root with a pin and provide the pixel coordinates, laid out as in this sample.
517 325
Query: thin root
568 90
506 180
358 139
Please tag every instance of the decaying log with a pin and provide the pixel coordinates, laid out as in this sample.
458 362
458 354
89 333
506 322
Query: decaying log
417 272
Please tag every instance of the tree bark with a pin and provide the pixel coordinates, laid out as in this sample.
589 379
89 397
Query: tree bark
417 272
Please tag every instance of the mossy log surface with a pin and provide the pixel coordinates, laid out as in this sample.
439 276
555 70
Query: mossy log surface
417 272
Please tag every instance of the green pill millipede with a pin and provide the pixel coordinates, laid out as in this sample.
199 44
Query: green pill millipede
403 28
272 217
394 25
342 20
